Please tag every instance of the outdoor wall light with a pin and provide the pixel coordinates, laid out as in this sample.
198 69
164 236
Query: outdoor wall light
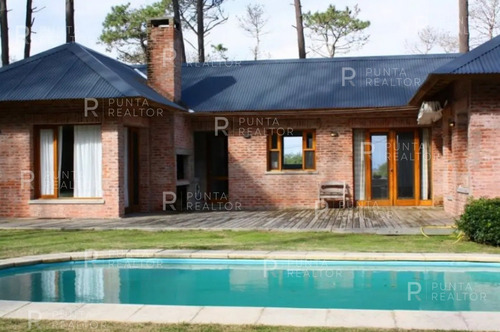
451 123
247 135
334 134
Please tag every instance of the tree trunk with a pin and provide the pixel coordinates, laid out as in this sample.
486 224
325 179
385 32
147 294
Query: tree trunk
300 30
70 21
177 18
200 31
463 12
4 27
29 25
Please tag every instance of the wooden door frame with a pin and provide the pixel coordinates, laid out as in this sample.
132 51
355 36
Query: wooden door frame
392 169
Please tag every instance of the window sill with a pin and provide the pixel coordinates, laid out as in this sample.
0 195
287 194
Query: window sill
62 201
292 172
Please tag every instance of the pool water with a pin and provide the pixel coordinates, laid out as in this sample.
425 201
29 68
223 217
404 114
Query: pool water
261 283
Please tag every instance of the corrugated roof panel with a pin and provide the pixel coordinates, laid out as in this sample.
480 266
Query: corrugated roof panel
10 80
484 59
72 71
386 81
102 89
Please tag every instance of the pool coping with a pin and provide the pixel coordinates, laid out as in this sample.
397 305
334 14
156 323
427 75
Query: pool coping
242 254
92 313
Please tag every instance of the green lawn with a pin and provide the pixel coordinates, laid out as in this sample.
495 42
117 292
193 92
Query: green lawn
14 325
15 243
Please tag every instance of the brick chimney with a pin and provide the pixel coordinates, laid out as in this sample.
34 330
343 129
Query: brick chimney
164 57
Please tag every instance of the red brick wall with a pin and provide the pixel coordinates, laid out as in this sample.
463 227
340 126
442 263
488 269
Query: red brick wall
471 148
254 187
17 154
162 156
156 164
438 164
183 131
484 140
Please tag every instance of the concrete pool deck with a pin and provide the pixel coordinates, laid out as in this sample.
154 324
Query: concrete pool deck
91 313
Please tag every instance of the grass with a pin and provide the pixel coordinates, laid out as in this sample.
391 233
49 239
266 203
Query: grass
14 325
15 243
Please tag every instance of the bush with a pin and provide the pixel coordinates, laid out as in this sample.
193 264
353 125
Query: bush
481 221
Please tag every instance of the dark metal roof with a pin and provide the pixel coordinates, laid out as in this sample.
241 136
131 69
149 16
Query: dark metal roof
484 59
72 71
383 81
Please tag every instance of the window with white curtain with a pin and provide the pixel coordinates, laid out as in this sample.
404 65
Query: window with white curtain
70 161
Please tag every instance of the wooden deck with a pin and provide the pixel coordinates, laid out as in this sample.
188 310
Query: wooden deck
363 220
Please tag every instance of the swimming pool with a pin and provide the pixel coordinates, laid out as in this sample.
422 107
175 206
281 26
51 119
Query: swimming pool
443 286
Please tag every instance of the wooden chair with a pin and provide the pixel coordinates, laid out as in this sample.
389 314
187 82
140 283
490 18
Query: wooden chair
333 191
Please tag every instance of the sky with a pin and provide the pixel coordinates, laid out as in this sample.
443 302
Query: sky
394 24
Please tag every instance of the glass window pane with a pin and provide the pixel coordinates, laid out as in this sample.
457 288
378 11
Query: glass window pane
406 164
380 179
309 160
309 141
66 159
274 141
292 152
274 160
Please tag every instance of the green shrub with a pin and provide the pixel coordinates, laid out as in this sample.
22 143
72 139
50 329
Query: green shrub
481 221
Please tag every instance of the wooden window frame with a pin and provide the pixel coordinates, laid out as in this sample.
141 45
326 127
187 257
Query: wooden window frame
280 149
37 172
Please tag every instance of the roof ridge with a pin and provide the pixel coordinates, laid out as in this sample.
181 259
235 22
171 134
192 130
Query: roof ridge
107 74
335 59
60 78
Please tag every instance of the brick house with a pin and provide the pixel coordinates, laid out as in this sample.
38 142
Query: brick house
83 135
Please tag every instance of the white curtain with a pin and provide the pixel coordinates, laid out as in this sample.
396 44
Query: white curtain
359 164
89 284
88 162
59 155
424 158
125 167
47 161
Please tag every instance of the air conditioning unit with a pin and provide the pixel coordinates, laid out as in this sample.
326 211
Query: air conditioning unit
430 111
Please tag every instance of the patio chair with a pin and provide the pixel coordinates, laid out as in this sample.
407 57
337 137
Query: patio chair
333 191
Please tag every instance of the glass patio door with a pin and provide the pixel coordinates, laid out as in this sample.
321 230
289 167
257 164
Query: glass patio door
405 167
378 161
392 167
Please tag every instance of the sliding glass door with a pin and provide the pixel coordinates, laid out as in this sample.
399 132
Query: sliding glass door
396 168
